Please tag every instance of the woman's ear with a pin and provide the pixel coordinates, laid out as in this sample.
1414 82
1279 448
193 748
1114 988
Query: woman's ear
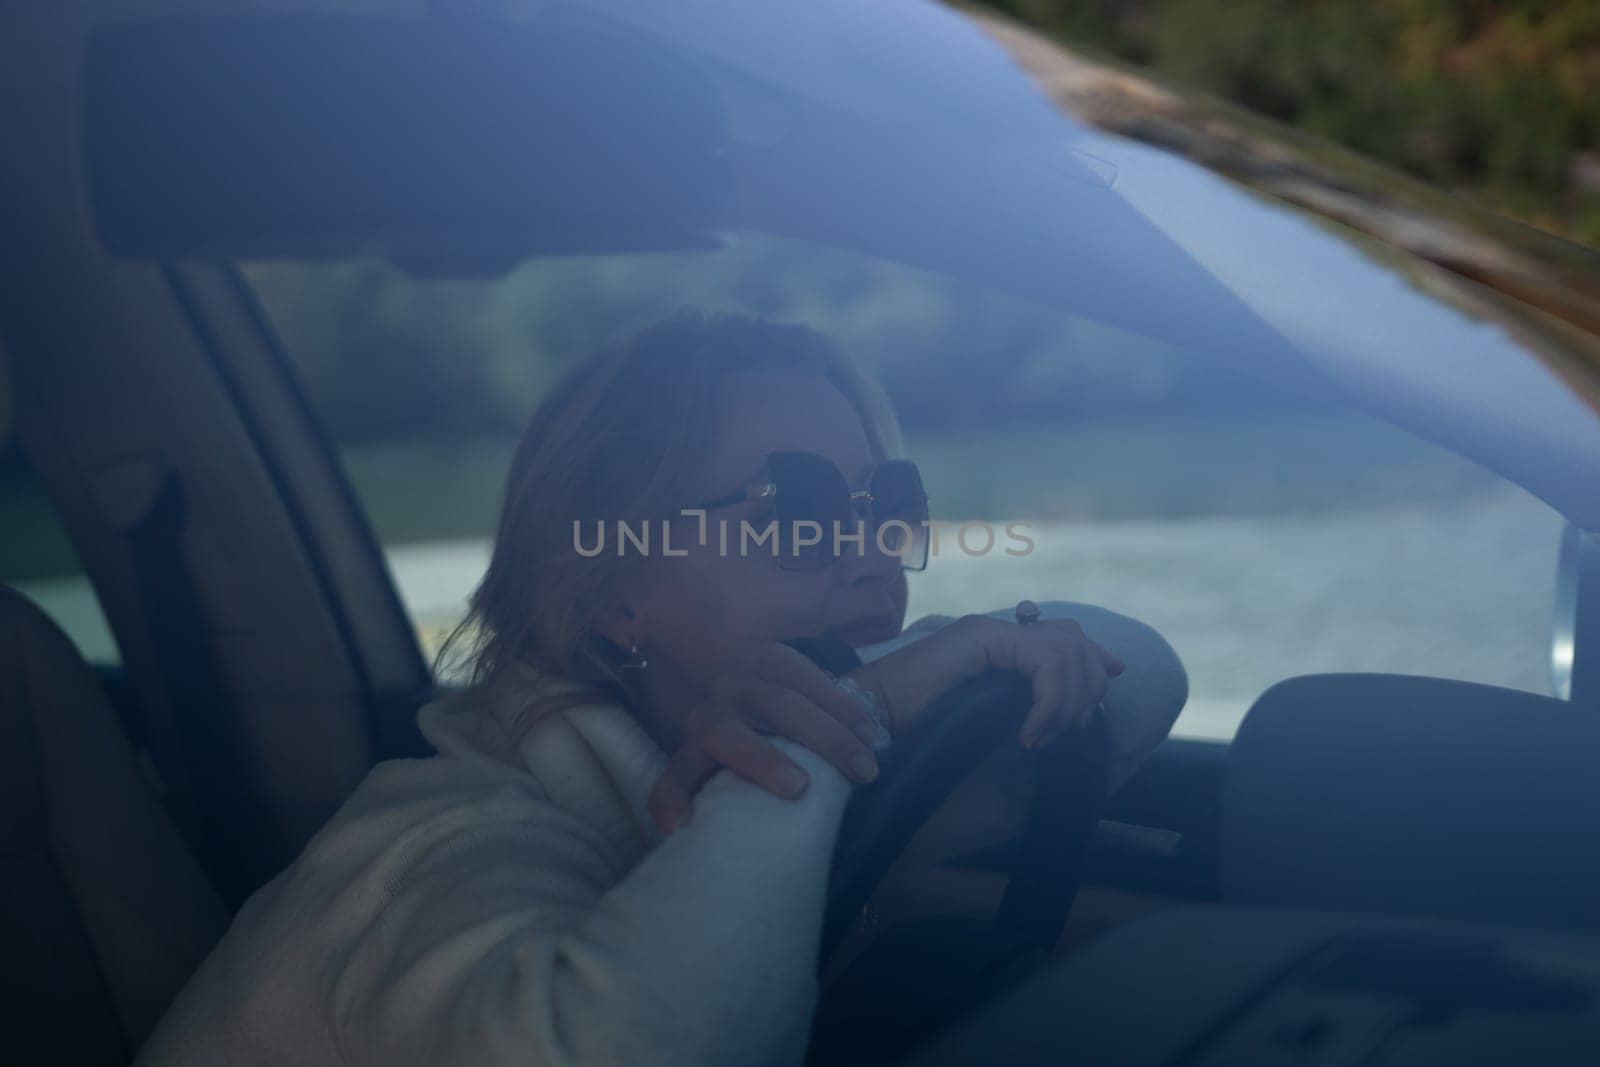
618 623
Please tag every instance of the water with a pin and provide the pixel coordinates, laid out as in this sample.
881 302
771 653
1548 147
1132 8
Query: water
1459 589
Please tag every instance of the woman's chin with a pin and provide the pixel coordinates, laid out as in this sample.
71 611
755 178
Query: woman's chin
860 637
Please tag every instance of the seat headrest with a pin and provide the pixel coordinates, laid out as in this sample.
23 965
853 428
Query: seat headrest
1394 793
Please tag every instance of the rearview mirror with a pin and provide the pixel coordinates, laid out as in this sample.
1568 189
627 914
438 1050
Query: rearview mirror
447 144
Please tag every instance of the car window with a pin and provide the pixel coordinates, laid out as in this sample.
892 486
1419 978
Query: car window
1263 533
38 560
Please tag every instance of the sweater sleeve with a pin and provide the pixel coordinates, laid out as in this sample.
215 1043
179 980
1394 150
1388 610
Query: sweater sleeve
1141 704
505 944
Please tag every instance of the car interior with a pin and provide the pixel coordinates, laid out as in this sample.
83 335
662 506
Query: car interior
1374 862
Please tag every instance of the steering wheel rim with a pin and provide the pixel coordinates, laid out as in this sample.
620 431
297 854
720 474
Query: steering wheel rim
957 731
954 735
903 986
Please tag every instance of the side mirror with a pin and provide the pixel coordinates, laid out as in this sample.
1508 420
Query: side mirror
1575 644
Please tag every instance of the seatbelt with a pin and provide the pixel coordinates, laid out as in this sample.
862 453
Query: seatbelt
205 795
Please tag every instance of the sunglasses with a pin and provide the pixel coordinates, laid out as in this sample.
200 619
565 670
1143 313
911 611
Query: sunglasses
811 499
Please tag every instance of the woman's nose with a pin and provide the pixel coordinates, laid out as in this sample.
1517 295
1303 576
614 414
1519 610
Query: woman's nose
867 559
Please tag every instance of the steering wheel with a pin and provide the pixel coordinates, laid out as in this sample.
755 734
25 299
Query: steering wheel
931 974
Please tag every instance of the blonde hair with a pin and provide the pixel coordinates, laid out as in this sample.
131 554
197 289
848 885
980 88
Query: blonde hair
621 437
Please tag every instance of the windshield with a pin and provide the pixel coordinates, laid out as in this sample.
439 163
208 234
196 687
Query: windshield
1264 533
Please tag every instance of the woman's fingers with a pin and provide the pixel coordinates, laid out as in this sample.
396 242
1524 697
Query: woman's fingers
725 742
1095 683
1050 657
736 746
774 688
1113 665
1079 663
788 668
671 798
786 712
1049 691
1070 676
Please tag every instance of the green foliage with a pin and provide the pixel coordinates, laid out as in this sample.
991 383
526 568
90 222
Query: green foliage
1496 99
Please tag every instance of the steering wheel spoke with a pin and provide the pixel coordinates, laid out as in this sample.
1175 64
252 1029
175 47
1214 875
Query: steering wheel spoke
923 767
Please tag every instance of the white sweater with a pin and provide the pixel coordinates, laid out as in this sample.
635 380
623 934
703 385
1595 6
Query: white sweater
504 903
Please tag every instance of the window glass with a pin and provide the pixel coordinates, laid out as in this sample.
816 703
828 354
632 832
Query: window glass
37 559
1264 534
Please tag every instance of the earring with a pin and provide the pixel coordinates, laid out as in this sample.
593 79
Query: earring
635 661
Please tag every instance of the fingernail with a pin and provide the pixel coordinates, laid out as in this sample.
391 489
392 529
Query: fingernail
1029 736
790 781
863 730
863 767
675 820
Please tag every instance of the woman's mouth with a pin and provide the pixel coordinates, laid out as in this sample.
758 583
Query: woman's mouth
866 629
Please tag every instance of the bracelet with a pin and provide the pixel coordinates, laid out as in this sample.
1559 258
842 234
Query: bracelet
867 701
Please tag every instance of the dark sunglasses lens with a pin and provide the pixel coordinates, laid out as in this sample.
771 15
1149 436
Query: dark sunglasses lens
900 507
812 497
897 489
813 500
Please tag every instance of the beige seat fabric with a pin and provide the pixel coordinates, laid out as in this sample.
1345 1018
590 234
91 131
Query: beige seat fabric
103 913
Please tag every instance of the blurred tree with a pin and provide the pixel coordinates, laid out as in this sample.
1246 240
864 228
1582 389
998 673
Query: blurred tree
1498 100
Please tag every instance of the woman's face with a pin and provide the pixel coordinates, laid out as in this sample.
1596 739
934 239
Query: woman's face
692 610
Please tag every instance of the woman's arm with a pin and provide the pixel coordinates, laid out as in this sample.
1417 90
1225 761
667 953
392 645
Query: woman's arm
1067 671
505 946
452 912
508 940
1141 703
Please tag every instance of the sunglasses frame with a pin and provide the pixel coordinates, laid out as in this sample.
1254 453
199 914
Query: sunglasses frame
860 500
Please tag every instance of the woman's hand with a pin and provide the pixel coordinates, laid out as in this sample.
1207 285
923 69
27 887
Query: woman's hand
1070 673
773 689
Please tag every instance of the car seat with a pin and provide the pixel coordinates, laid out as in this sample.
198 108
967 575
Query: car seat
1413 795
103 911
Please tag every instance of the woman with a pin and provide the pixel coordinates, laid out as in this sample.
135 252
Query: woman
570 880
